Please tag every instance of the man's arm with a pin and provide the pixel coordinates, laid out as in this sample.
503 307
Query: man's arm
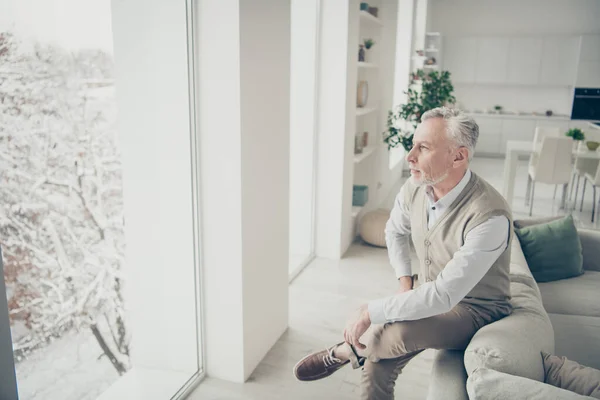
483 245
397 238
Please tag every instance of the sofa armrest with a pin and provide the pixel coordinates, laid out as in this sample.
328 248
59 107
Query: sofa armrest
590 244
487 384
448 378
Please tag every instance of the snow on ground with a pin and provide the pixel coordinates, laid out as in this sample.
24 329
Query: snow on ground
67 369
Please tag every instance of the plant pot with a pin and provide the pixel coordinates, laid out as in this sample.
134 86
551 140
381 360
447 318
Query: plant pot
362 94
364 7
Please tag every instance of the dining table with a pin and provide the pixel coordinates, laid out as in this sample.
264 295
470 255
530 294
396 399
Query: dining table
516 148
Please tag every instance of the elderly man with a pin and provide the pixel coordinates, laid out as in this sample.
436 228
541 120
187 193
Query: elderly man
460 229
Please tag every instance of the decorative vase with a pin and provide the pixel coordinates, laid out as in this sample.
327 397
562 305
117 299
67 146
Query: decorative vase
364 7
361 53
362 94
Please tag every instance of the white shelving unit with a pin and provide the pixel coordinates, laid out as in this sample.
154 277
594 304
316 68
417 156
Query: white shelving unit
432 48
366 18
360 111
368 116
367 151
362 64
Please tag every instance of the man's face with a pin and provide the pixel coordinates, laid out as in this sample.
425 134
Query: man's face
431 157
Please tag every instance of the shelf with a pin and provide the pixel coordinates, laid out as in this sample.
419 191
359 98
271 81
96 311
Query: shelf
366 17
431 66
355 211
362 64
367 151
364 110
431 50
432 34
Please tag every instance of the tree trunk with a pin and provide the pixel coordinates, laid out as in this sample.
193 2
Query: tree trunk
109 353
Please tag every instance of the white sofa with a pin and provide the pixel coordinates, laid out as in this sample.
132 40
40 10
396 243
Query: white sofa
561 318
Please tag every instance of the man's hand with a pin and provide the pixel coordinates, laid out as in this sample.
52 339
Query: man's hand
406 284
357 326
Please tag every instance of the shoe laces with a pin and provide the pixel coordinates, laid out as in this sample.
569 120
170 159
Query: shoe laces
329 360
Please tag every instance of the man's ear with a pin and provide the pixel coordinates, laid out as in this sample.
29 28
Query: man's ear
461 156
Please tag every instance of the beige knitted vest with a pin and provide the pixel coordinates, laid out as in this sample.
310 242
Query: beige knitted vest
435 247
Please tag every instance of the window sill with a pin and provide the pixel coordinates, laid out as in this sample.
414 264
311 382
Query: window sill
152 384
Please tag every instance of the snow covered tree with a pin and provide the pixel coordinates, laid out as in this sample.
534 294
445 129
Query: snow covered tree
61 205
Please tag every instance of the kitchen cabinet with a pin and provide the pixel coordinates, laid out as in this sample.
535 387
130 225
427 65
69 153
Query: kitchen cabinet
517 129
588 70
496 130
460 55
524 59
492 53
563 125
559 60
490 134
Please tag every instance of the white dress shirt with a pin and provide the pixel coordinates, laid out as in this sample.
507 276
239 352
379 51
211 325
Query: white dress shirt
483 245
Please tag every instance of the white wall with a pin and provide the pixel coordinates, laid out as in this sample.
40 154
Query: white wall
542 18
265 112
244 128
515 17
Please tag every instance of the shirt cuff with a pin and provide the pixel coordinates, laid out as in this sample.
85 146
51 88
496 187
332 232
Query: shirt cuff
376 313
402 270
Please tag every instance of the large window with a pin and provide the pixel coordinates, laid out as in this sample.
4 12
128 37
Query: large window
99 219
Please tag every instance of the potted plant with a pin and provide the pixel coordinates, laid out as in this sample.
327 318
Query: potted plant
368 44
498 109
577 135
436 91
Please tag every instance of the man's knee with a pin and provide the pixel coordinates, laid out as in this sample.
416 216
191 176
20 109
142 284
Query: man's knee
395 338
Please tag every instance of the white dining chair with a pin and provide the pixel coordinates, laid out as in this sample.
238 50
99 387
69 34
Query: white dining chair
542 132
584 166
552 165
594 179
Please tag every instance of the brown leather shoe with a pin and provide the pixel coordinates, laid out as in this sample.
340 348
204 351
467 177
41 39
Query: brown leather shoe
318 365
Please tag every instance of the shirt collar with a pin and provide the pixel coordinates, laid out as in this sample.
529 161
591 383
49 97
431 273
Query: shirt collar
451 195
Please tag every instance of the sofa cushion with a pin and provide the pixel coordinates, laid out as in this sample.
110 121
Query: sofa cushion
576 296
590 243
514 343
487 384
552 250
518 263
577 338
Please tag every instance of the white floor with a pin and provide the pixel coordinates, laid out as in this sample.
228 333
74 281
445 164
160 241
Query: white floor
327 291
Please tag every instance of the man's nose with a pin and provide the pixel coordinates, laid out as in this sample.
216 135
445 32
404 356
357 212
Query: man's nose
410 157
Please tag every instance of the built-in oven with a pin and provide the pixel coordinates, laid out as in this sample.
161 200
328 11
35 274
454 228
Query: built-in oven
586 104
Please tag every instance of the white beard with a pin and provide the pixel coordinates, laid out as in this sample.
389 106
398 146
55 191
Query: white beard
428 182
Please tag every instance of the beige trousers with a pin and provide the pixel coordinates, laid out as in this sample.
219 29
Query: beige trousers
391 346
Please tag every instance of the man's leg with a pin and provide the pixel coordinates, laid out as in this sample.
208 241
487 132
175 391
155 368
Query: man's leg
379 378
391 346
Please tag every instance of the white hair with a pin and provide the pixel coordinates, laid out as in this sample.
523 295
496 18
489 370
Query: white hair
461 129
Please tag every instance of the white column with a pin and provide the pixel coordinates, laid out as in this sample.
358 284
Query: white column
334 146
244 92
